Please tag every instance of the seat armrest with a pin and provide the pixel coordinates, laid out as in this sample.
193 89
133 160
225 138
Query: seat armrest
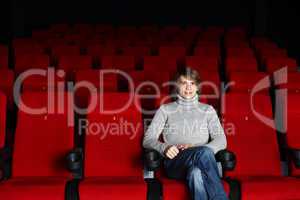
295 154
227 159
5 160
75 161
152 159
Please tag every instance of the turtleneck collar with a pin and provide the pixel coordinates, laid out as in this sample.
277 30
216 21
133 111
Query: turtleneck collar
187 102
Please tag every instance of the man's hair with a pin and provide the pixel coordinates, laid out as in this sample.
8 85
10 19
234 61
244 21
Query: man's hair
189 73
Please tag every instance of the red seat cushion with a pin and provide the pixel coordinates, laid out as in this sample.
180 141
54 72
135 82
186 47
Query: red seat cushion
270 188
130 188
33 188
178 190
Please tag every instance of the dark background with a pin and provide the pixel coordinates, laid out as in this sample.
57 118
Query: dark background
277 19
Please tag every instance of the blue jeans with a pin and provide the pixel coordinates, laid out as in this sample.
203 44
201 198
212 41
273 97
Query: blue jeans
197 165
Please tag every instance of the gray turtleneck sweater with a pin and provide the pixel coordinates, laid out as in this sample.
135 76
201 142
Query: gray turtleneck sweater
185 121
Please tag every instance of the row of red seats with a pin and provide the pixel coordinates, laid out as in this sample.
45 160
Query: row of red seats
113 81
263 163
285 183
72 62
272 57
116 49
102 171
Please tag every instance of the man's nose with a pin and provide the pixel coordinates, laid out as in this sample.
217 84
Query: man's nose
188 86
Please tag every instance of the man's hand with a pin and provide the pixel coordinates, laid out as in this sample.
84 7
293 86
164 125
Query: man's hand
171 151
184 146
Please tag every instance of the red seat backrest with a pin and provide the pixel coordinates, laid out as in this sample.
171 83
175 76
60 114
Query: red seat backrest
246 81
75 62
31 60
109 83
202 62
176 51
125 63
42 140
292 121
43 83
241 64
253 142
111 149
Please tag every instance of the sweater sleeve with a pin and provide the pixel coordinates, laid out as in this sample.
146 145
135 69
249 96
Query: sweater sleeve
151 138
218 139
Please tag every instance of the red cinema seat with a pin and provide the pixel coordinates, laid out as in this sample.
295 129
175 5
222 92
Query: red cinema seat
76 62
239 52
51 81
246 81
92 79
175 51
272 64
29 61
207 51
202 62
38 169
112 170
29 49
72 63
150 81
138 51
210 81
292 83
177 190
254 141
65 50
287 106
159 63
241 64
125 63
101 50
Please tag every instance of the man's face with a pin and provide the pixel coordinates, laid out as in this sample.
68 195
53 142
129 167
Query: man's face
187 87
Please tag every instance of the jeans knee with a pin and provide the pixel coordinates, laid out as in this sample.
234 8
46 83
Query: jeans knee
194 173
208 152
204 156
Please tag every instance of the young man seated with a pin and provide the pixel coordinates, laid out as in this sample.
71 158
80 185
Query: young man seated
192 134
